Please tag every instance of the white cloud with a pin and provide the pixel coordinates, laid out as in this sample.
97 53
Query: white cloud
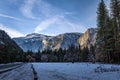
60 24
11 17
44 9
27 7
76 26
69 13
66 26
47 9
11 32
44 24
52 17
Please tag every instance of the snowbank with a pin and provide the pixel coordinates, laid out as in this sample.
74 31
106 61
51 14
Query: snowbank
76 71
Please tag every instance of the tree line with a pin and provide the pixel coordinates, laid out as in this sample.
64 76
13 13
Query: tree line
72 54
108 34
9 54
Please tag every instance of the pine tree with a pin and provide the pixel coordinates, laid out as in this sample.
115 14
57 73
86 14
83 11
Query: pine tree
84 54
102 17
91 55
115 12
60 55
79 53
109 35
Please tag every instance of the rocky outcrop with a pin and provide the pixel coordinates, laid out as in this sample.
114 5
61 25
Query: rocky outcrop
89 37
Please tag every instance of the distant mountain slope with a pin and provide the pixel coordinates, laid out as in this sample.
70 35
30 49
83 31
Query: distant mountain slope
5 40
35 42
63 41
31 42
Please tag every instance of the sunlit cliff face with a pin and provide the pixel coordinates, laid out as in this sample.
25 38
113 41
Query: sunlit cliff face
89 37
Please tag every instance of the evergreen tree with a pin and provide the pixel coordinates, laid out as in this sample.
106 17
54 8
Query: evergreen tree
109 35
115 12
79 53
84 54
91 55
38 56
102 24
60 55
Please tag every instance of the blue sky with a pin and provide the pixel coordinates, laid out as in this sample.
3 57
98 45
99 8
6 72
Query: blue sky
50 17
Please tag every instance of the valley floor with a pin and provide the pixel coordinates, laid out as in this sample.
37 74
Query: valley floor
64 71
76 71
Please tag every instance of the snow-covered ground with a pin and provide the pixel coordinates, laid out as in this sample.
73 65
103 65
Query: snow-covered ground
64 71
76 71
22 73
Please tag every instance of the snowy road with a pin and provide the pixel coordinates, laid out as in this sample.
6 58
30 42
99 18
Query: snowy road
8 67
22 73
76 71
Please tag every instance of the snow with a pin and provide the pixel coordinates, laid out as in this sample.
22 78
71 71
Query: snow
6 69
33 35
12 63
62 71
22 73
26 41
76 71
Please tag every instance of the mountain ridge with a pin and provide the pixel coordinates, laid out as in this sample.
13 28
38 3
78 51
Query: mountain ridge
35 42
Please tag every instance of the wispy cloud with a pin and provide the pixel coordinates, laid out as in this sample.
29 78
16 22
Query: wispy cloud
61 24
56 17
46 23
51 16
11 32
49 10
45 8
27 7
11 17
